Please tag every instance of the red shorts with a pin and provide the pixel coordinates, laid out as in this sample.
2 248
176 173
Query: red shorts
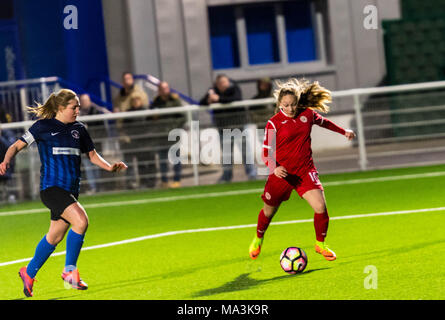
278 190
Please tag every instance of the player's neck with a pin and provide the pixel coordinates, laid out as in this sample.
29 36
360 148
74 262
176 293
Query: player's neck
60 119
286 115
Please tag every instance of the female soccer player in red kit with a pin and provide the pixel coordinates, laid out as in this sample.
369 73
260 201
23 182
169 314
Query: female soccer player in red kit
288 154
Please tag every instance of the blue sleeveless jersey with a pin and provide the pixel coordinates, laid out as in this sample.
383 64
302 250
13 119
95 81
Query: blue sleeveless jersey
60 146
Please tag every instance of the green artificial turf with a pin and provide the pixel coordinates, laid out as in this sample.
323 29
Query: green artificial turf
406 250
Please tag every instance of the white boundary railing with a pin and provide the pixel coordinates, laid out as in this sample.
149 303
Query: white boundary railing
357 96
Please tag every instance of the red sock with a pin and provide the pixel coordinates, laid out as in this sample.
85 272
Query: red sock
321 222
263 223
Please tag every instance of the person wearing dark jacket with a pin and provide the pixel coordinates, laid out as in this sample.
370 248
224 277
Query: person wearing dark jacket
138 146
226 91
97 130
163 124
261 113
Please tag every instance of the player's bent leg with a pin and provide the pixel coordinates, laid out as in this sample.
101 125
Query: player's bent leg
78 218
44 249
264 218
317 201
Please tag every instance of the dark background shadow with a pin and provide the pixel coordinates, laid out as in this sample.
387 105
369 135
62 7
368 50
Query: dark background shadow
244 282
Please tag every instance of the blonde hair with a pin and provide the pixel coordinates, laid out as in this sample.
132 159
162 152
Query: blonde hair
307 94
49 109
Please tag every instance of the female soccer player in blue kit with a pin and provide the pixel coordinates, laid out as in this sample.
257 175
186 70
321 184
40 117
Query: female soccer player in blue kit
60 140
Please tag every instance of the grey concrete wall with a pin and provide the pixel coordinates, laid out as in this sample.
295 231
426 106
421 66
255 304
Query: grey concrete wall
197 46
171 42
143 36
170 39
116 36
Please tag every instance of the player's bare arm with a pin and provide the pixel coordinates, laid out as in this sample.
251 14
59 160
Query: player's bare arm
97 159
15 148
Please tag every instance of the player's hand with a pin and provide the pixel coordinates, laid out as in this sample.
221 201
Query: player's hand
280 172
349 134
118 167
4 166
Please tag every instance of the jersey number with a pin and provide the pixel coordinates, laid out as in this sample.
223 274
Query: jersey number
314 177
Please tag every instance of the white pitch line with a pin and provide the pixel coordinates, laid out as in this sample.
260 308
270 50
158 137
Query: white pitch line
225 193
243 226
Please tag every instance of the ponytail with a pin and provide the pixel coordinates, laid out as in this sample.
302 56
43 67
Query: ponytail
49 109
315 97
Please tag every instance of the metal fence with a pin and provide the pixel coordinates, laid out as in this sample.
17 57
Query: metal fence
396 126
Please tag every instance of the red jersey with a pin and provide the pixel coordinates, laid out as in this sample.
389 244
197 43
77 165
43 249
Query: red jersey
287 141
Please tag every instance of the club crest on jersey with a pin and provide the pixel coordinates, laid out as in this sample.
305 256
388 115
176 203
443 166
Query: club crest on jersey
268 196
303 119
75 134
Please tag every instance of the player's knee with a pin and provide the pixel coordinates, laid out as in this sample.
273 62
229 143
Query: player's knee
54 239
319 207
81 224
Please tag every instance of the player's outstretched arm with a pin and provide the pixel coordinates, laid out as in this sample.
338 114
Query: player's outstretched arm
328 124
13 149
104 164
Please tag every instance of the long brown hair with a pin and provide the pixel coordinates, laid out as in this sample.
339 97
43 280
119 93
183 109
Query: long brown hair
49 109
308 94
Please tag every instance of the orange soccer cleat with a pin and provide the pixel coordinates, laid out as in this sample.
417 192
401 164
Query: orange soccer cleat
323 249
255 247
73 278
28 282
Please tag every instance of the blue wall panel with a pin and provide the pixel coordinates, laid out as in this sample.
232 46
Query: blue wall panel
48 49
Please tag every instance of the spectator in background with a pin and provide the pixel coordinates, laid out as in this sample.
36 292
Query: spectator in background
87 107
8 134
164 124
264 88
122 101
138 146
97 131
7 137
261 113
225 91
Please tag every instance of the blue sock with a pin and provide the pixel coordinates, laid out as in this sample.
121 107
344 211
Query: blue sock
74 242
43 251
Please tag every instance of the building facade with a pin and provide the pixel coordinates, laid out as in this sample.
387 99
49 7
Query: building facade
189 42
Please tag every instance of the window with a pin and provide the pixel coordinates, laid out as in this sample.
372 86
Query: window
223 39
300 37
261 32
266 33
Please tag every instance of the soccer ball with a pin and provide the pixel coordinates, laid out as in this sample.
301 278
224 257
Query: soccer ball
293 260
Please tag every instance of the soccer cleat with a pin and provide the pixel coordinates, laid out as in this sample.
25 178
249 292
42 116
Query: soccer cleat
28 282
73 278
175 184
255 247
323 249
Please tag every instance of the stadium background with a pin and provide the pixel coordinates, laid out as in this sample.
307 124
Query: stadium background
189 42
